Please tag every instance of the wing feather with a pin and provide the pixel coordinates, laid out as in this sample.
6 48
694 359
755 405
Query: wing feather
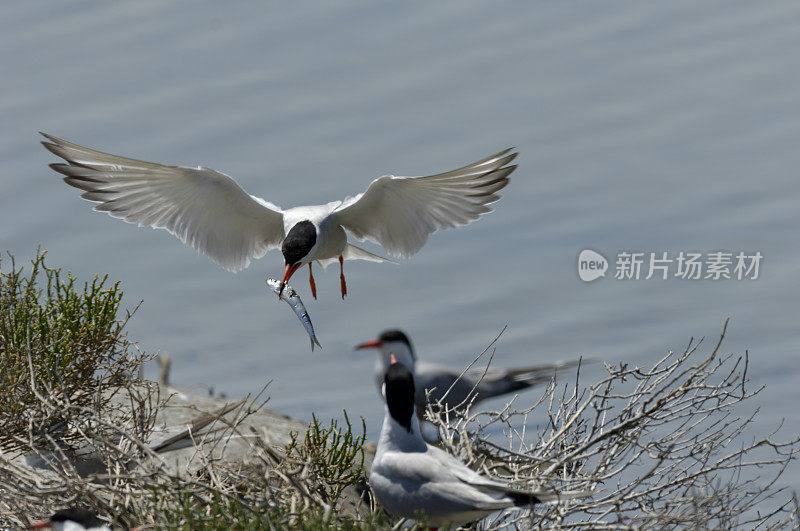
442 476
202 207
400 213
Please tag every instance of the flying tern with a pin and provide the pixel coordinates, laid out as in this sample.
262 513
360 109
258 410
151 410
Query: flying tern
412 479
435 380
208 210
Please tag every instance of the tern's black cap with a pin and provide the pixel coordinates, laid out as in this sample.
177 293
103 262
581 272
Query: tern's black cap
86 517
396 335
299 241
400 394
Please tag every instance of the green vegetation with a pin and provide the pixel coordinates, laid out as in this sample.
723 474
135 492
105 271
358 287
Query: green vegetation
659 447
336 457
316 482
70 382
56 337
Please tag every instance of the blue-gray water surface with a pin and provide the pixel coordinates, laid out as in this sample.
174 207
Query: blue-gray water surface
644 127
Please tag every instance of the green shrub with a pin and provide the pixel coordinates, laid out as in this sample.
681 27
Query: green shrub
57 337
314 483
335 457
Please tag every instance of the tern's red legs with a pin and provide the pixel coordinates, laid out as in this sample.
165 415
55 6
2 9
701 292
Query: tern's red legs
311 281
341 276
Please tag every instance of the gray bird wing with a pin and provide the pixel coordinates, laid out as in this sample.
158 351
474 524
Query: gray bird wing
200 206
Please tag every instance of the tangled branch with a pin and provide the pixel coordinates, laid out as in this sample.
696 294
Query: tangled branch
664 447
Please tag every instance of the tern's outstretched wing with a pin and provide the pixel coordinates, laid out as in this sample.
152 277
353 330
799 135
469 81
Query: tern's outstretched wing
203 207
400 213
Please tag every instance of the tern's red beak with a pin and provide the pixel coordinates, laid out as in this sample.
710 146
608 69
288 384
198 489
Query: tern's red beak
44 524
369 344
392 359
287 274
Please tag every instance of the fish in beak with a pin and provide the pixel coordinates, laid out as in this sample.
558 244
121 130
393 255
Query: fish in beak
287 274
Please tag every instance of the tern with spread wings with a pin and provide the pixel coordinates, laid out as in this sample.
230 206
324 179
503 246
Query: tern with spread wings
211 212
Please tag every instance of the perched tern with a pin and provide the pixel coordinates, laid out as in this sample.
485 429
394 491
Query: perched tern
438 380
73 519
412 479
211 212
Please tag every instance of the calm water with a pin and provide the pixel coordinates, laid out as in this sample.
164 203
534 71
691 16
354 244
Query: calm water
641 127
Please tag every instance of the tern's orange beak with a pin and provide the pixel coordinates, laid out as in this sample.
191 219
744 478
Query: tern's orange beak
287 274
369 344
44 524
392 359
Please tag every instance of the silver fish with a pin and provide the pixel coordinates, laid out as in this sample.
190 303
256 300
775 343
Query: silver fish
290 296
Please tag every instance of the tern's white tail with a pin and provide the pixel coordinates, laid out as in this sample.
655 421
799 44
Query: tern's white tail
558 497
351 252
